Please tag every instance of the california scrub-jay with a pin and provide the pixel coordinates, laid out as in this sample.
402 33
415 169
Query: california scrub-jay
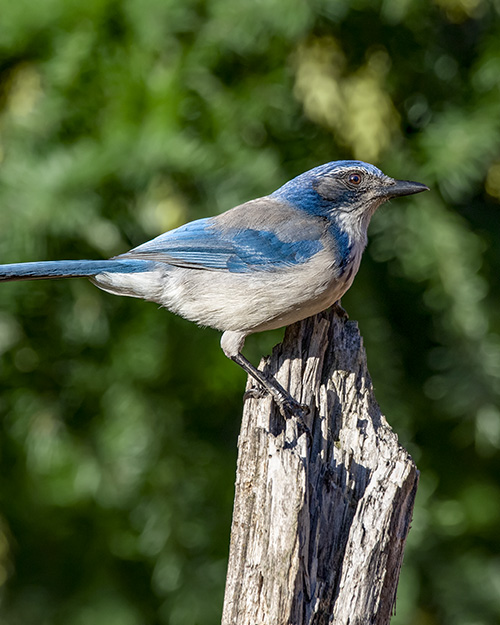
261 265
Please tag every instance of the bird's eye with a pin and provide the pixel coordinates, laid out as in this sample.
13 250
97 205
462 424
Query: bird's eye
355 178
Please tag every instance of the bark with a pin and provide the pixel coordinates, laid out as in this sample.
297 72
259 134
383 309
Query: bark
320 521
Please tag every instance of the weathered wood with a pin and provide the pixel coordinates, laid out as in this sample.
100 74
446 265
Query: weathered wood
319 522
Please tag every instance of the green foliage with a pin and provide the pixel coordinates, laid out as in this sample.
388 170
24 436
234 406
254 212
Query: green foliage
118 421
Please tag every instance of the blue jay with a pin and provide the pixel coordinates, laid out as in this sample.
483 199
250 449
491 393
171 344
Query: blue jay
261 265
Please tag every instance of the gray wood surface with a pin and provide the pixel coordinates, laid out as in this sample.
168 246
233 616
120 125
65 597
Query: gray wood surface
320 521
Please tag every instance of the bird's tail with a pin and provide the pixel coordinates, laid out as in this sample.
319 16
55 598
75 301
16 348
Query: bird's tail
71 269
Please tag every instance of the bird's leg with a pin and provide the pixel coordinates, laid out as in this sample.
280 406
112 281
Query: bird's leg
232 343
340 311
287 404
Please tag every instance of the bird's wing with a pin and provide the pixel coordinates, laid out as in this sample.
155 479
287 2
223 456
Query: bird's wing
238 241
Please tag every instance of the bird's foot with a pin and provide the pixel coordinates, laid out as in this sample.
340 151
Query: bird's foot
256 392
288 406
291 409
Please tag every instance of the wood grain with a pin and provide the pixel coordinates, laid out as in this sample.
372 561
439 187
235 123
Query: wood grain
319 521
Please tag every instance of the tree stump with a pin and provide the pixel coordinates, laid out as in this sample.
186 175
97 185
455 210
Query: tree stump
320 520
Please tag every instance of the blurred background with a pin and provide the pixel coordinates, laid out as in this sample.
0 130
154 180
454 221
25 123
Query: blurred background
122 119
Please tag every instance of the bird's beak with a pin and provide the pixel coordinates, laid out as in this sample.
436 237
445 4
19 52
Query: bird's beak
403 187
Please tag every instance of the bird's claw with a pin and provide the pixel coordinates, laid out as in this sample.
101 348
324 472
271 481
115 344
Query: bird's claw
255 393
292 408
288 407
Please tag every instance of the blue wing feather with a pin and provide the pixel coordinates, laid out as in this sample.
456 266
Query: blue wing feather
205 244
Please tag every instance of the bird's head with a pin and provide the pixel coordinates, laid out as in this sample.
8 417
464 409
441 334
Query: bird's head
349 189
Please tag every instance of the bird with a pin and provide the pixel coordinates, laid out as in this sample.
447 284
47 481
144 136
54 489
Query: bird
261 265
